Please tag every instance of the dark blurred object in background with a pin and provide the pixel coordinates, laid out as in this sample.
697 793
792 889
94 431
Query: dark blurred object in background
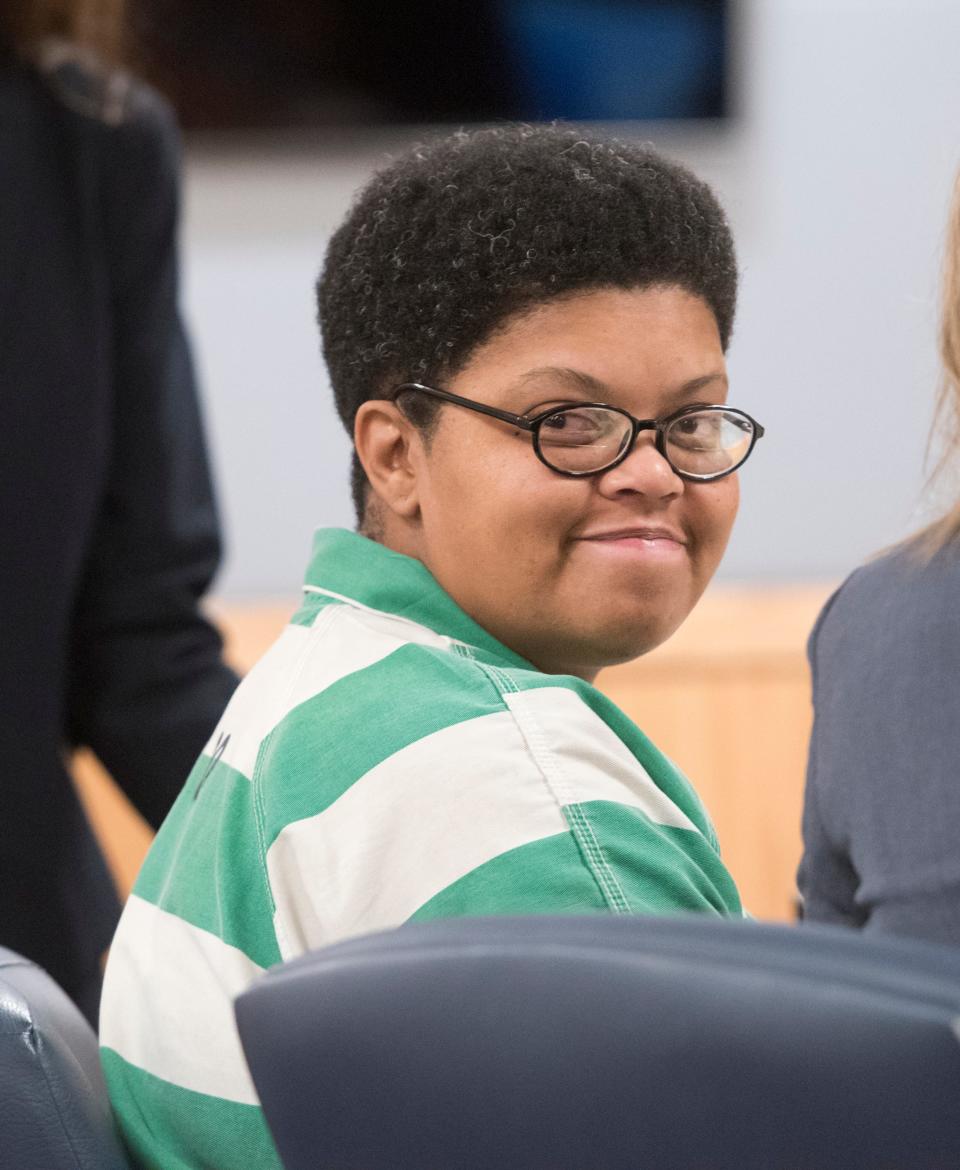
280 63
108 528
90 26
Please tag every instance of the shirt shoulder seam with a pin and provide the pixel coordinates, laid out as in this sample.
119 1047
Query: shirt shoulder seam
573 812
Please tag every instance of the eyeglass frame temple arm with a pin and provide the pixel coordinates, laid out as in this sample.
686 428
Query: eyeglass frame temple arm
481 407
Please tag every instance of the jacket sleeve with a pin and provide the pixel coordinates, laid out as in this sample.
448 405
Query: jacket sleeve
147 679
826 879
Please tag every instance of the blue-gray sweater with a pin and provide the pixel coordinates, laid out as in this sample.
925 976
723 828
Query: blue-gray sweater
881 820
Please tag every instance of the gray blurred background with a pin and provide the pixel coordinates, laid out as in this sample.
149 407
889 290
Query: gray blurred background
835 163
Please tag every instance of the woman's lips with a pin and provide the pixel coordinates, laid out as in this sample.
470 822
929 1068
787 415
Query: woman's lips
644 542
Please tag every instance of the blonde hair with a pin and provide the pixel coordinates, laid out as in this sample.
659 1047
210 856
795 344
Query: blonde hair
945 429
96 26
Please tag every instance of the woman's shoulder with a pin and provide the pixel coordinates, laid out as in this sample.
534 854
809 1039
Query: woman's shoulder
893 596
905 567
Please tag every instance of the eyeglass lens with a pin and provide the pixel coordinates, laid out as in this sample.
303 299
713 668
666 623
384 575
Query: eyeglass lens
590 438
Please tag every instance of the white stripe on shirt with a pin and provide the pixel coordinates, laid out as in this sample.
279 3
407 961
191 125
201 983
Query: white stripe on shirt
583 758
190 977
424 817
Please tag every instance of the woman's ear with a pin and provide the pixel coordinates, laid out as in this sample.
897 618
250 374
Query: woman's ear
389 447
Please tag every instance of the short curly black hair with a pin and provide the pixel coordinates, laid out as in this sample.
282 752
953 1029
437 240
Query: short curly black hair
455 237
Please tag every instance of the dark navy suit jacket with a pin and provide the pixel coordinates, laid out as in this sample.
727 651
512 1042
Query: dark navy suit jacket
108 531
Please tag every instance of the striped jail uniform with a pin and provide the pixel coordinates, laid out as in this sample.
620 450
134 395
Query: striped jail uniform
386 761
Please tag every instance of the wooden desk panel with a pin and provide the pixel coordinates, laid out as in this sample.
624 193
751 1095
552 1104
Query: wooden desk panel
727 698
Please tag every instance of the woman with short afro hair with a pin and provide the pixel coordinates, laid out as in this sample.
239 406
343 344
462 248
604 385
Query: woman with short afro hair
525 329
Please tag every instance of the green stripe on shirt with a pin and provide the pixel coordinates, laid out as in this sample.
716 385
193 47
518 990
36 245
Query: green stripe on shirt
322 747
184 1130
211 834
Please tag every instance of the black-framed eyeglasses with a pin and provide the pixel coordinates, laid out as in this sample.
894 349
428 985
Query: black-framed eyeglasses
700 443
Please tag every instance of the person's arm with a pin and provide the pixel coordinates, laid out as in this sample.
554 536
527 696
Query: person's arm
826 879
147 679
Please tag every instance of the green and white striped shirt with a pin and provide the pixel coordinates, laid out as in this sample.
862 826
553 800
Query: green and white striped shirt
386 761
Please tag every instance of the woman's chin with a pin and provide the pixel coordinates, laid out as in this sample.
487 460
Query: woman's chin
610 644
637 631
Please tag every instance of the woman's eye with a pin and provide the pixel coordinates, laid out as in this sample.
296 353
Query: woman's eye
700 431
574 426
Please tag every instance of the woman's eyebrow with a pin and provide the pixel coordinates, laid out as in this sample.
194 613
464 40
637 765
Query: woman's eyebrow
700 383
574 379
598 390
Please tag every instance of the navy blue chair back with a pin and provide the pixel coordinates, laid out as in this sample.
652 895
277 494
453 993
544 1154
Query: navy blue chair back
597 1043
54 1113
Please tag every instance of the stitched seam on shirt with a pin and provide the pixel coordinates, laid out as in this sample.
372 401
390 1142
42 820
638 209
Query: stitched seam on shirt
279 931
557 783
583 831
260 817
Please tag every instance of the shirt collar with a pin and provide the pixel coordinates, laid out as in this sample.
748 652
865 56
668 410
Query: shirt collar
356 569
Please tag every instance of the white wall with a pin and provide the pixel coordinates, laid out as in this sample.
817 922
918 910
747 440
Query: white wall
836 176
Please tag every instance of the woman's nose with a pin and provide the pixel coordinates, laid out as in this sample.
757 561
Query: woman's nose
644 471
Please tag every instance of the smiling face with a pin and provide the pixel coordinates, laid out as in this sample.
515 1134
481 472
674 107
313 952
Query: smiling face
573 574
